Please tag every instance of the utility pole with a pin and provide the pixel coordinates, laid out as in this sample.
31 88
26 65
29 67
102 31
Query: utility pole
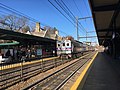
77 28
86 36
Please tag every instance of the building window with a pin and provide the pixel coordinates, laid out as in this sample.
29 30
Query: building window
63 44
58 44
67 44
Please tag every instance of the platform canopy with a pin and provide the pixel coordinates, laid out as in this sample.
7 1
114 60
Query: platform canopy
106 18
24 38
8 44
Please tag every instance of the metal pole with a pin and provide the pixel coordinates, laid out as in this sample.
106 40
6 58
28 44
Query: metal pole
86 37
21 70
77 28
42 65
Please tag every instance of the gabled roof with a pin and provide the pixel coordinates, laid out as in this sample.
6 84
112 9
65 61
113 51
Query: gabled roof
104 13
40 34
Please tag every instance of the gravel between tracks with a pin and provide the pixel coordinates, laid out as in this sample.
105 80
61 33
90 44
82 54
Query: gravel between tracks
72 80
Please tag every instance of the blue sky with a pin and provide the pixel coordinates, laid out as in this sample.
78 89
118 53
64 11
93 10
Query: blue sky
44 12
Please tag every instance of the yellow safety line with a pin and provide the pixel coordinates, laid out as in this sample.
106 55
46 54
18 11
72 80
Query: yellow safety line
78 81
25 63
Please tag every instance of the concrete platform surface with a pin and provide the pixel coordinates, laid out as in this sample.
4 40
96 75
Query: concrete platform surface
104 74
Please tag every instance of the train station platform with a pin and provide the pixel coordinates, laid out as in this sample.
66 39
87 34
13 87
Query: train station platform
103 74
15 65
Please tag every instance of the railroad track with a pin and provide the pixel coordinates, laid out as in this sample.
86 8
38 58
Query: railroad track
58 78
12 76
9 77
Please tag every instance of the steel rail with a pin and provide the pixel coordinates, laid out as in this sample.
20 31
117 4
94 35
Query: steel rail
37 82
72 74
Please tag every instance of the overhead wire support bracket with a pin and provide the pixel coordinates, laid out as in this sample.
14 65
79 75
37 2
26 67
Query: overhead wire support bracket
84 18
77 26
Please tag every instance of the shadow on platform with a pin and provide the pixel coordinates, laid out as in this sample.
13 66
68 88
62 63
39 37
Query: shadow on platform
104 74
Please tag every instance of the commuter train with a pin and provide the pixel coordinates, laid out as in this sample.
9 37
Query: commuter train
64 48
69 48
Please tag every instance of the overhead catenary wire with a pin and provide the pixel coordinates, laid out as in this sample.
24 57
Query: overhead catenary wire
77 8
85 6
17 12
60 12
63 33
21 14
86 10
80 13
11 10
72 14
5 7
66 10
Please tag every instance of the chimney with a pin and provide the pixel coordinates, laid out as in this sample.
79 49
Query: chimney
37 27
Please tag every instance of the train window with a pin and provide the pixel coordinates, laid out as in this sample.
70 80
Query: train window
67 44
63 44
58 44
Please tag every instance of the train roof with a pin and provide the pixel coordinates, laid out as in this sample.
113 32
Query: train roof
78 41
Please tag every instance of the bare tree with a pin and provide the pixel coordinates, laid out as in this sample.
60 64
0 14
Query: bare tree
13 22
25 29
32 27
47 28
